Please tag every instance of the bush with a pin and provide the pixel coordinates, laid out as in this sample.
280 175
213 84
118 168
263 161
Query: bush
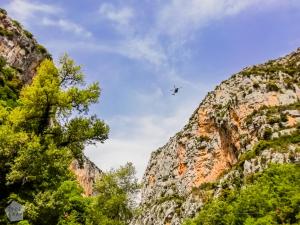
28 34
271 86
267 134
283 118
207 186
41 49
17 24
203 138
289 82
6 33
256 85
3 11
2 62
273 119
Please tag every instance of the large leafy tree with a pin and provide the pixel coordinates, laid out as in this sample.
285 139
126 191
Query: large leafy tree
115 201
41 135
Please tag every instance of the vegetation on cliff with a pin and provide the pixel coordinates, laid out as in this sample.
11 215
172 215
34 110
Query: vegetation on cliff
272 197
10 85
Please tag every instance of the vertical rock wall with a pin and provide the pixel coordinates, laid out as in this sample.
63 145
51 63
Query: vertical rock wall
217 134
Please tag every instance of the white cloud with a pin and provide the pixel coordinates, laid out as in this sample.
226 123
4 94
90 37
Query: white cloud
144 50
137 137
120 16
180 18
24 9
176 20
67 26
30 12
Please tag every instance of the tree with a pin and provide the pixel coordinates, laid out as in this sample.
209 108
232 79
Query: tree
115 201
41 135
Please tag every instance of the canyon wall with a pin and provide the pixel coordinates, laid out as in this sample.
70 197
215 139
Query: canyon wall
257 104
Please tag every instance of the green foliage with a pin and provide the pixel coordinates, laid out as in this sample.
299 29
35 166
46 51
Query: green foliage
3 11
207 186
273 119
62 206
273 198
289 83
41 49
271 86
283 118
2 62
176 198
203 138
17 24
28 34
114 203
256 85
272 67
10 85
279 144
6 33
270 112
267 134
37 145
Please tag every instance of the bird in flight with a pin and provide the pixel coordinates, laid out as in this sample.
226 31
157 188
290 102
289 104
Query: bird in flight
175 90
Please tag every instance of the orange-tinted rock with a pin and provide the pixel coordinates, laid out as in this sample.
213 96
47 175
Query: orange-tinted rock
86 175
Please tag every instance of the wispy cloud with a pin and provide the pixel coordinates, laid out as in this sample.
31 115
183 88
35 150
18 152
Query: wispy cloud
24 9
121 16
67 26
179 18
31 12
175 21
137 49
145 49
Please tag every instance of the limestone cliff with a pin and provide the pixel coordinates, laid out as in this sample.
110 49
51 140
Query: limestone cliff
86 175
230 135
22 52
19 48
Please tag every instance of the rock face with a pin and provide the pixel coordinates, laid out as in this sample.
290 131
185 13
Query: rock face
257 104
86 175
19 48
23 53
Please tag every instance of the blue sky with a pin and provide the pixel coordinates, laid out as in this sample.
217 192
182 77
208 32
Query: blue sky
138 49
